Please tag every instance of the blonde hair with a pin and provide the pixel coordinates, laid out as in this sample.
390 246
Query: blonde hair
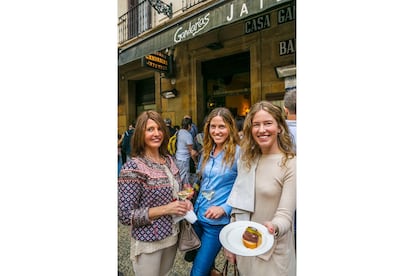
250 149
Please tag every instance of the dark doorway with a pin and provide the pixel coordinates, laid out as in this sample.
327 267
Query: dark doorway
144 94
227 83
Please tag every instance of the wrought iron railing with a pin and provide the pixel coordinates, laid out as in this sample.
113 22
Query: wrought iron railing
138 19
134 22
191 3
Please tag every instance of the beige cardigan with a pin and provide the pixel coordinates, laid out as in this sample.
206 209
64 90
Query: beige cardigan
279 178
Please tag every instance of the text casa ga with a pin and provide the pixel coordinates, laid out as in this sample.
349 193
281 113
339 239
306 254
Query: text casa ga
257 24
286 14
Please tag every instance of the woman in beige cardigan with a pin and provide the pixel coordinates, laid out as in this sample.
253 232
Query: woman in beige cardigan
265 190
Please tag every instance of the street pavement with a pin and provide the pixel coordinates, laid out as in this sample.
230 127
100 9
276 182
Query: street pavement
180 268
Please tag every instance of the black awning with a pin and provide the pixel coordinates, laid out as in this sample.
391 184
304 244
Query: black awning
211 17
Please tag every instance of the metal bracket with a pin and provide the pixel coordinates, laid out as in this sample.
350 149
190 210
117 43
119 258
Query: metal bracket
161 7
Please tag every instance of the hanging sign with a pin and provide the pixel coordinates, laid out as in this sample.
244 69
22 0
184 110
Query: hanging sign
158 61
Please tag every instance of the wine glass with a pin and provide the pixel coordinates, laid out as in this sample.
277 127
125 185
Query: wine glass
183 194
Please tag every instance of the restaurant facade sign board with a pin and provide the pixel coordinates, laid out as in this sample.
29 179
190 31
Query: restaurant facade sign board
201 22
158 61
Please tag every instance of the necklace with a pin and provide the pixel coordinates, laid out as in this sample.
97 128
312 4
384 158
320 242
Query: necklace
159 160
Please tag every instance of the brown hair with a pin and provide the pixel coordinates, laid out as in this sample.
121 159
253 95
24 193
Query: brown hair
138 139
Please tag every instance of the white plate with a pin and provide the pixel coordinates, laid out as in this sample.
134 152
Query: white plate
231 238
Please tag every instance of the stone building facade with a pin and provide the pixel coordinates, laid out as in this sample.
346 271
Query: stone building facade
218 53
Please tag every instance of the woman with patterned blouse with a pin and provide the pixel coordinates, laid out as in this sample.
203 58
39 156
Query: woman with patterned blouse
147 198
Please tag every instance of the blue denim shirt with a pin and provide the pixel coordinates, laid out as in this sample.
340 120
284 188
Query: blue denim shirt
220 179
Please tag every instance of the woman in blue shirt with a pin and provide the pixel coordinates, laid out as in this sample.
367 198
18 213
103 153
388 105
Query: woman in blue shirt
218 170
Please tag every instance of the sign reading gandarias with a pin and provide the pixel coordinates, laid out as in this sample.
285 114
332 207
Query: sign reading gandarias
158 61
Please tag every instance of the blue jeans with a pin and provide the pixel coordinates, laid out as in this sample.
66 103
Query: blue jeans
210 247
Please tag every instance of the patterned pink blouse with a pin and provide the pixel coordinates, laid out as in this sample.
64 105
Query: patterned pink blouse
143 184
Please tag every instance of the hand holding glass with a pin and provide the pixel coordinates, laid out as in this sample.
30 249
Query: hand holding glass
184 194
190 215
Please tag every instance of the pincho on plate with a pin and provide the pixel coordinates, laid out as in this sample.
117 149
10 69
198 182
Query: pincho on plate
246 238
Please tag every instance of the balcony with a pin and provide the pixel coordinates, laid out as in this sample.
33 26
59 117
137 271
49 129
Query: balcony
191 3
138 18
134 22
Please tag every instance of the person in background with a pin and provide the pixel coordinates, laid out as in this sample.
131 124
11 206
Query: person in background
289 102
119 152
239 125
265 190
194 175
171 130
198 142
218 169
126 143
184 150
147 198
194 129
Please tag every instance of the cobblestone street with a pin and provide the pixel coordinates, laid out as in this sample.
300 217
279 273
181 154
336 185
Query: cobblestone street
180 268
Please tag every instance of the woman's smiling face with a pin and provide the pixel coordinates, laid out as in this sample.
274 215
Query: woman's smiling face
153 135
218 130
264 131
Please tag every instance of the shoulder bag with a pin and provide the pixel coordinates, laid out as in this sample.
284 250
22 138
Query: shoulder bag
187 239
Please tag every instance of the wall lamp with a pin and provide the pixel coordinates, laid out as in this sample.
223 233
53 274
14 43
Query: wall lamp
169 94
285 71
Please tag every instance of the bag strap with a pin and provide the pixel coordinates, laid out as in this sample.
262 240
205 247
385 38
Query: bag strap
226 269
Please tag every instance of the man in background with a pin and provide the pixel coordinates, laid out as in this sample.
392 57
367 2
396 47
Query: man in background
185 151
193 129
126 143
170 128
289 102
